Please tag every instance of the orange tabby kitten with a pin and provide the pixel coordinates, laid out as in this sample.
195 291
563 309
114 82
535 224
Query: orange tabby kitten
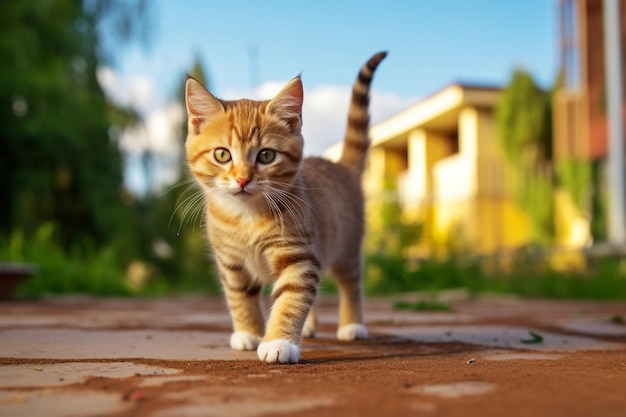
274 217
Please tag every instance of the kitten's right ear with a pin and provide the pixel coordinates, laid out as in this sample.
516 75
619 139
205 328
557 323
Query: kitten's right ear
201 104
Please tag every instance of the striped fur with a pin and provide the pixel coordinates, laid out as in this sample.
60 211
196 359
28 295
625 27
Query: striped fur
356 142
275 218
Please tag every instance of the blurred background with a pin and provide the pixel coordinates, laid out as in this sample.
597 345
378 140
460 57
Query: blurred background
492 165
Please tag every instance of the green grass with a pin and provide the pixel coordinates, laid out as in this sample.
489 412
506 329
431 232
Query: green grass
84 269
103 270
526 274
422 305
79 270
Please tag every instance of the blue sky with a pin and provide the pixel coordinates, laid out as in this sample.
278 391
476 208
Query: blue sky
431 43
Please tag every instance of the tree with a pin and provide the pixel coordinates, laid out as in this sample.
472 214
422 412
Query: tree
523 117
57 161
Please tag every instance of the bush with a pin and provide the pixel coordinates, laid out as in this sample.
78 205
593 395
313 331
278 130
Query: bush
82 269
530 272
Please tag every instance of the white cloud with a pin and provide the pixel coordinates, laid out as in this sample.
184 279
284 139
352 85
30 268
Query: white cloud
107 79
324 116
138 92
158 134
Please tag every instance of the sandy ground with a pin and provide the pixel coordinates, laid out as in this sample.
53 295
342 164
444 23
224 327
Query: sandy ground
170 357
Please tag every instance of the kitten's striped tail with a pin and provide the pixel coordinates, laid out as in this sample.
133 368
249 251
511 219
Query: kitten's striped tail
357 140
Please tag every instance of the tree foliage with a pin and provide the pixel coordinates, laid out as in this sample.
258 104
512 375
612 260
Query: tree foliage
523 118
57 161
524 121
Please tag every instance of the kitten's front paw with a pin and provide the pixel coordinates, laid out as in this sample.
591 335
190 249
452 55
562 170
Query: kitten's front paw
279 351
244 341
352 331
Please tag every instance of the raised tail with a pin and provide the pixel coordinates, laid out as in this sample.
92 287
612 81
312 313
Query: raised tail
356 142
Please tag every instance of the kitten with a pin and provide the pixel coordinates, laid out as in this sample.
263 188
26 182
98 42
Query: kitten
274 217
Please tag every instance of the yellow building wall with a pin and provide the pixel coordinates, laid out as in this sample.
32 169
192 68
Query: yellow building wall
572 228
453 184
384 167
416 185
473 210
454 188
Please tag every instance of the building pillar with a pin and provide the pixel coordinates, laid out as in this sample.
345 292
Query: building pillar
615 100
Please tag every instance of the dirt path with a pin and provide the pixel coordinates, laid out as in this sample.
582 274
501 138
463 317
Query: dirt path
169 357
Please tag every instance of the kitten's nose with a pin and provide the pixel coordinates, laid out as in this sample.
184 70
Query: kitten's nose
242 182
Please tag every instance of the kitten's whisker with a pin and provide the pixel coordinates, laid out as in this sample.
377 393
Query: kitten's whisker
185 200
293 197
194 204
197 212
274 209
310 168
292 185
292 205
175 186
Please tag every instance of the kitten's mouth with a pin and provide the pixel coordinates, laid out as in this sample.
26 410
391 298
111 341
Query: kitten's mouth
243 193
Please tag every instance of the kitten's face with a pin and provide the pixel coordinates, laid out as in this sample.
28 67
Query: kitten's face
244 150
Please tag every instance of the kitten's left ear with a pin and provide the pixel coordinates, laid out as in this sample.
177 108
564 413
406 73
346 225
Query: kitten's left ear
201 104
287 104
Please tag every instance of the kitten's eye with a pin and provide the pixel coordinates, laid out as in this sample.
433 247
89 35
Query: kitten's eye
222 155
266 156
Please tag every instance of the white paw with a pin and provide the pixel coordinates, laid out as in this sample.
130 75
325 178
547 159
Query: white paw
308 330
278 351
352 331
244 341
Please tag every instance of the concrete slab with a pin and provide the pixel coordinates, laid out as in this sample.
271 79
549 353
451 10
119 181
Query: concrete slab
594 327
494 336
117 344
54 403
455 389
504 355
58 374
151 382
209 402
170 357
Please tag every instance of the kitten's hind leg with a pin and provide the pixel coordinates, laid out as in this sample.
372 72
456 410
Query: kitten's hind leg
310 325
246 313
352 331
351 326
242 340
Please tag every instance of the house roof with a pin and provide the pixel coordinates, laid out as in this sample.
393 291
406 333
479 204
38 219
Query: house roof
438 112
